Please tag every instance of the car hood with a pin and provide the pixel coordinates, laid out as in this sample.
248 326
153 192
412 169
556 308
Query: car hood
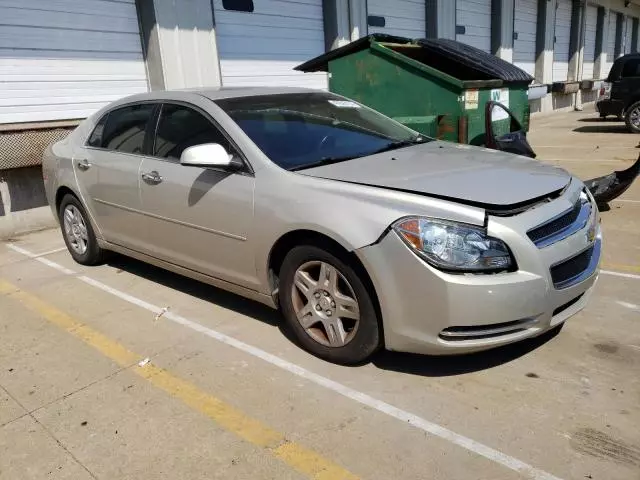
487 178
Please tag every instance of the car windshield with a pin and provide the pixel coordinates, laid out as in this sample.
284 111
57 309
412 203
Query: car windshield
303 130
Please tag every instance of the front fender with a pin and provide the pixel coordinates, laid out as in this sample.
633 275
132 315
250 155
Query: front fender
353 215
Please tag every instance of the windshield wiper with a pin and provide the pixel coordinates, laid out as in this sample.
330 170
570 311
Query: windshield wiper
323 161
401 144
419 139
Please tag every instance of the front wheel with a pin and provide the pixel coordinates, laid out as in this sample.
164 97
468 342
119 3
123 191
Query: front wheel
327 306
78 233
632 118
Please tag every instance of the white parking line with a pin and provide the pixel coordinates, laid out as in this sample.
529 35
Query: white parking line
620 274
50 252
360 397
630 306
627 201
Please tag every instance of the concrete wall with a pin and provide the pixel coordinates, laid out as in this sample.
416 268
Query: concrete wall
23 206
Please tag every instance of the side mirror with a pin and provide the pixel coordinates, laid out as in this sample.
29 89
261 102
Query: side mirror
208 155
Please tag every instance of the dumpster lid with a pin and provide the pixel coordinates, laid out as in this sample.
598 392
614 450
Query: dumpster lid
474 58
321 63
455 58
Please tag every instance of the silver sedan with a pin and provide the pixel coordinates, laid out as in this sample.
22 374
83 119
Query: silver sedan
363 232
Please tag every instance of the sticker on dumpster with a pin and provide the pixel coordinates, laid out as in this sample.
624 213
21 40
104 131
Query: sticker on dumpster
500 95
471 99
344 104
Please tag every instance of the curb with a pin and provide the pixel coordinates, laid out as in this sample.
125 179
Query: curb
26 221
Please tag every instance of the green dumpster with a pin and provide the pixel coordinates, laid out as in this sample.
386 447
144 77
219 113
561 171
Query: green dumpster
437 87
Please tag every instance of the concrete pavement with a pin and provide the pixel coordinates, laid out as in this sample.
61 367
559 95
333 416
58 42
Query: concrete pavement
74 405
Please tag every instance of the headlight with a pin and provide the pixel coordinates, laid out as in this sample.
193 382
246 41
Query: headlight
454 246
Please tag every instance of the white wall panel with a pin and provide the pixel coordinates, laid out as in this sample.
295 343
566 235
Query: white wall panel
475 17
406 18
628 30
590 31
262 47
562 40
524 28
64 59
610 41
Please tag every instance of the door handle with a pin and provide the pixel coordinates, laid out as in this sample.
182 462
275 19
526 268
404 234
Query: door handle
153 177
83 165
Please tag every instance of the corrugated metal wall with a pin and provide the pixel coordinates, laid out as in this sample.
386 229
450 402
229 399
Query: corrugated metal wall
64 59
406 18
262 47
524 37
474 17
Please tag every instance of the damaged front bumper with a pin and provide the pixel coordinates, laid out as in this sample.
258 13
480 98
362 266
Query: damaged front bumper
429 311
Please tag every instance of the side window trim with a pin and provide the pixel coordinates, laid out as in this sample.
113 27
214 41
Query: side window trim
105 116
150 133
248 169
102 119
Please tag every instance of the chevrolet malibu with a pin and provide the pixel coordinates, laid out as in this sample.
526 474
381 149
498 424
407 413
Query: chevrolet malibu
364 233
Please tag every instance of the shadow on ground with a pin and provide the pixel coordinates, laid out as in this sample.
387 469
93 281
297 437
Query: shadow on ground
450 365
607 127
196 289
424 365
600 120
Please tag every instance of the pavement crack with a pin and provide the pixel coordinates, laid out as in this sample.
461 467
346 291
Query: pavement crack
50 434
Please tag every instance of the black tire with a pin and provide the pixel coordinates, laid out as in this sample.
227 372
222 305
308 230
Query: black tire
367 337
94 255
627 118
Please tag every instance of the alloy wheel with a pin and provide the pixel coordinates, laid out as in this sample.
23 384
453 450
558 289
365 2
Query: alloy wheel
325 304
634 117
75 229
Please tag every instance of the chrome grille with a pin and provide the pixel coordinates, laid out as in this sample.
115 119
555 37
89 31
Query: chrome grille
564 225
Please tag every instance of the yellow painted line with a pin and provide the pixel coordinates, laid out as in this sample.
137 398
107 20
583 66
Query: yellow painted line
300 458
622 267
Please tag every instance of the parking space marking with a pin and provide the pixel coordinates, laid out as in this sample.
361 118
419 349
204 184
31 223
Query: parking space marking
620 267
51 252
630 306
627 201
251 430
360 397
620 274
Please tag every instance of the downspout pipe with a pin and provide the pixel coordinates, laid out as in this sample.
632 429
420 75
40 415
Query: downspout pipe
578 106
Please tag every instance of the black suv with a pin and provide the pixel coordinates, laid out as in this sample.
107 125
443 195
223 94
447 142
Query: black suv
620 95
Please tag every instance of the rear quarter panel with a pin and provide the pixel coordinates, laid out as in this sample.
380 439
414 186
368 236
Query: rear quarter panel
57 166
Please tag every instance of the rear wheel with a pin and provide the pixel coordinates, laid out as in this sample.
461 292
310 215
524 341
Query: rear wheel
78 233
327 306
632 118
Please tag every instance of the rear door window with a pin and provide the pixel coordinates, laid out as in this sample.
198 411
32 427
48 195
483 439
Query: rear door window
181 127
95 140
631 69
125 128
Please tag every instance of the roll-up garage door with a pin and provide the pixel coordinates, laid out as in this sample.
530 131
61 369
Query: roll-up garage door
562 40
591 25
406 18
611 42
473 23
65 59
524 35
628 29
260 41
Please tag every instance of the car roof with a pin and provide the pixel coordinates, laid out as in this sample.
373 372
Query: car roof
628 56
214 93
